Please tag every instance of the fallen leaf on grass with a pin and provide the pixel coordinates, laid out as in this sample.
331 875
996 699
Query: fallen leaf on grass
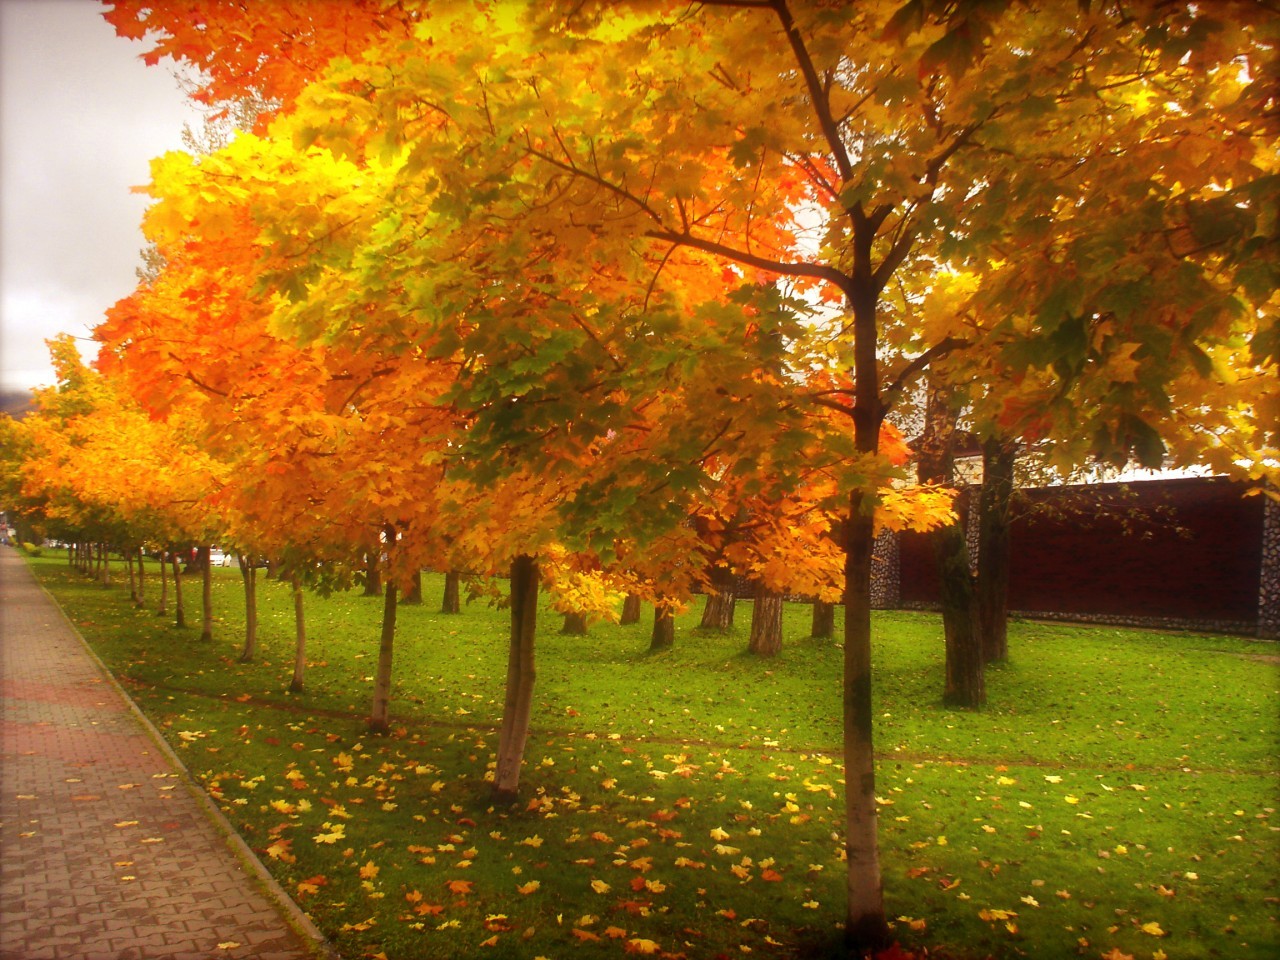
528 888
993 915
1152 928
460 887
641 946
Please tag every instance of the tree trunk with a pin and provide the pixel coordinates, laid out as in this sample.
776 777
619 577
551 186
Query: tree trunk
206 593
380 715
824 620
104 565
630 610
133 582
372 576
865 925
866 929
965 680
766 623
142 577
451 602
249 573
998 460
179 611
721 601
297 684
664 628
520 676
575 625
163 607
414 594
965 685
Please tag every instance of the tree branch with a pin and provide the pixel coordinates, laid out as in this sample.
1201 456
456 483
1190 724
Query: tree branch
817 92
937 351
815 271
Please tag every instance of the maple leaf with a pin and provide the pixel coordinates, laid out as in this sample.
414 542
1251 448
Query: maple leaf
642 946
528 888
1152 928
991 915
1115 954
599 886
460 887
279 850
615 933
585 935
369 871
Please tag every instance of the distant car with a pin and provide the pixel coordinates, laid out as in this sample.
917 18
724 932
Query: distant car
220 558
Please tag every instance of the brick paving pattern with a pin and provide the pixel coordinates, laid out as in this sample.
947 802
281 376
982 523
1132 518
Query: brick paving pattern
106 853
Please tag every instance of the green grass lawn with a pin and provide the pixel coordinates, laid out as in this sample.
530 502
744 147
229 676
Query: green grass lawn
1117 797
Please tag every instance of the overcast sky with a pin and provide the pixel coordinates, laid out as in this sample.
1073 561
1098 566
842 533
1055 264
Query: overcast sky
80 116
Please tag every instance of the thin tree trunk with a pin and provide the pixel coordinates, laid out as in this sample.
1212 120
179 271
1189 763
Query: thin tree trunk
133 583
451 602
630 609
179 611
824 620
249 573
372 576
414 594
300 638
521 672
721 600
766 624
998 459
380 715
142 577
206 595
865 926
575 625
664 628
163 608
104 565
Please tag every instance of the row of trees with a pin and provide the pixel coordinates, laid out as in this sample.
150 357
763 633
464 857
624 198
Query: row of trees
624 297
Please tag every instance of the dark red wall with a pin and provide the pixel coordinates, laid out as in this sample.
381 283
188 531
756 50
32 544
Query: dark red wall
1189 549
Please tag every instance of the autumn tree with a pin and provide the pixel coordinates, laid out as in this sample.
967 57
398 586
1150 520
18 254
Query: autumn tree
673 163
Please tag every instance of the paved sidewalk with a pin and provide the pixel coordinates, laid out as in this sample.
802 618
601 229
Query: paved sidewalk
107 852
